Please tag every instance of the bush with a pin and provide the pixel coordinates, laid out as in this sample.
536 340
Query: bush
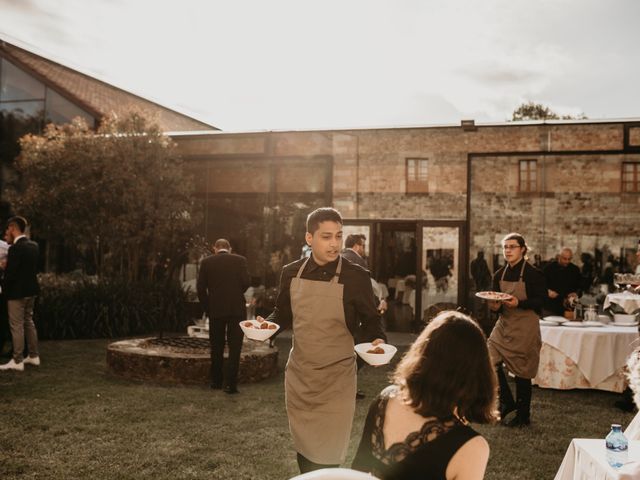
78 306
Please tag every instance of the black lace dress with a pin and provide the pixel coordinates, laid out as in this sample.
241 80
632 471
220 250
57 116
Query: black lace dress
424 454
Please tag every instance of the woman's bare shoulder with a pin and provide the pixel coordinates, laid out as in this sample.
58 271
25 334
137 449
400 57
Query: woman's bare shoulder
470 461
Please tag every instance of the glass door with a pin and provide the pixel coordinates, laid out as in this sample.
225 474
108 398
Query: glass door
442 261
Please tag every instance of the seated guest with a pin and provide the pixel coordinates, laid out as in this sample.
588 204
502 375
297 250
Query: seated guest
563 282
419 426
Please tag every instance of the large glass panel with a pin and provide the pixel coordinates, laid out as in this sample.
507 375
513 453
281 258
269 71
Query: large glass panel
60 110
440 254
23 109
18 85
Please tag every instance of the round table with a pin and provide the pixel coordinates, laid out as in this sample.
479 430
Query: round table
585 357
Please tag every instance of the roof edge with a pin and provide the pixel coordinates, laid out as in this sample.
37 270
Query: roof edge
33 50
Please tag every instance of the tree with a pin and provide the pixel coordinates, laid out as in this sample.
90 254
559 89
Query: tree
120 195
537 111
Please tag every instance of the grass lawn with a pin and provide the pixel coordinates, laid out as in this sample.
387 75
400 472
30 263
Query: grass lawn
70 419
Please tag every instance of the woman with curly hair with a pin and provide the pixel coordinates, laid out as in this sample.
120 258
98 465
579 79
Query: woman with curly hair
419 426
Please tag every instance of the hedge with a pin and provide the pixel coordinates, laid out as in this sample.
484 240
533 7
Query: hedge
75 306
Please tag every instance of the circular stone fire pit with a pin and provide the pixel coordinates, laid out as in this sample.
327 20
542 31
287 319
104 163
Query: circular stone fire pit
185 360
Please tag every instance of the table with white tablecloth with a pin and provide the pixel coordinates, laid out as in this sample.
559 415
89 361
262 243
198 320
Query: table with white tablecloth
585 357
630 302
586 459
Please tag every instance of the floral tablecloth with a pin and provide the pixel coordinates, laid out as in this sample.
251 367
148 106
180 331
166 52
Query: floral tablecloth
590 357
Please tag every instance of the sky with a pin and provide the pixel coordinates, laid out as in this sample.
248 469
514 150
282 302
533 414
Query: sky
295 64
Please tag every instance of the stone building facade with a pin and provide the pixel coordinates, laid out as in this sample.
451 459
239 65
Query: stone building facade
452 191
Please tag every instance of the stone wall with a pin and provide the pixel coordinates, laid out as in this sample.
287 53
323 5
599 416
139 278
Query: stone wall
579 205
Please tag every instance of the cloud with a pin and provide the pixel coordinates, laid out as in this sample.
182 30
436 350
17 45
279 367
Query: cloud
499 75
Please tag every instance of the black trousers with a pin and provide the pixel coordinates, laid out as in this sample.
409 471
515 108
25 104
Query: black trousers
523 394
225 330
307 465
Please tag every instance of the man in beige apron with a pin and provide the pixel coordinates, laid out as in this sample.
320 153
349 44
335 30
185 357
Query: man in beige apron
515 339
324 310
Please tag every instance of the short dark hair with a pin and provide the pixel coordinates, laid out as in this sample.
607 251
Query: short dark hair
319 215
448 366
518 238
222 244
354 239
19 222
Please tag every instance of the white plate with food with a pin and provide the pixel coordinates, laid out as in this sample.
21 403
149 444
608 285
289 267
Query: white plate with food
260 331
625 319
548 323
494 296
624 324
592 323
574 324
555 318
375 354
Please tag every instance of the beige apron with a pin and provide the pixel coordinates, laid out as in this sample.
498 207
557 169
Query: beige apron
320 377
515 340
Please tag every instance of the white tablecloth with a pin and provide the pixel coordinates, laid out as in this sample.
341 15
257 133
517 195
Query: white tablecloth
630 302
585 357
586 459
412 299
632 432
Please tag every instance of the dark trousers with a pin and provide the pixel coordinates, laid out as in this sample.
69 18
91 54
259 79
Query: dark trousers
5 333
523 395
227 329
307 465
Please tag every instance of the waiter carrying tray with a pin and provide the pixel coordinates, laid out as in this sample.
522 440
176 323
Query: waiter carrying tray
328 302
515 339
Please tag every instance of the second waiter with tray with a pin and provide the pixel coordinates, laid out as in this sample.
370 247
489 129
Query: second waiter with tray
515 339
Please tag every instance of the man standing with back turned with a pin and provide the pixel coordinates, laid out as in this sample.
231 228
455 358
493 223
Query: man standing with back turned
20 287
328 302
222 281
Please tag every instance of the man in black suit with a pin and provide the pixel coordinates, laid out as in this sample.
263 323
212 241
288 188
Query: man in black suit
20 287
354 250
222 281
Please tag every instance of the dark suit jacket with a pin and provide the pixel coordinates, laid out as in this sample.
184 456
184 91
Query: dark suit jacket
353 257
20 278
222 281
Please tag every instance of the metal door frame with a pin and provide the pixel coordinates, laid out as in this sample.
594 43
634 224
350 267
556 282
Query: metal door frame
463 254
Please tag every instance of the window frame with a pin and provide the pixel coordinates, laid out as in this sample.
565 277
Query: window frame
635 177
531 184
418 182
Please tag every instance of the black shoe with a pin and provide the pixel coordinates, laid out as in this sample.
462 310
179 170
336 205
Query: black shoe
506 410
518 422
625 406
230 390
360 395
215 386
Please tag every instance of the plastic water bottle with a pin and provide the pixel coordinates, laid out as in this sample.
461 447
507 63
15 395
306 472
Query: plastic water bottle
617 447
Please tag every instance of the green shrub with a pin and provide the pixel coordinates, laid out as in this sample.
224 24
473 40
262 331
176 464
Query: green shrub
77 306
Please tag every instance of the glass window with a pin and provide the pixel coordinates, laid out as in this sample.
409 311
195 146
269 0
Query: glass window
15 84
23 109
61 110
528 176
417 175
